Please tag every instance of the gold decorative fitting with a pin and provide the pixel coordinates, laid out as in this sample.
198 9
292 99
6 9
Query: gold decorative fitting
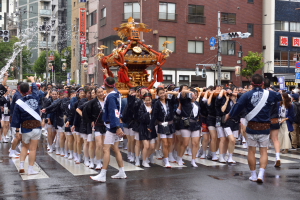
137 50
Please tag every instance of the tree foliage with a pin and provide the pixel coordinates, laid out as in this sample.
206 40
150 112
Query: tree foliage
6 51
254 62
40 64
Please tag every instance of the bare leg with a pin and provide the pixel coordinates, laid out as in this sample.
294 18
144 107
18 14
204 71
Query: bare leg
251 158
195 146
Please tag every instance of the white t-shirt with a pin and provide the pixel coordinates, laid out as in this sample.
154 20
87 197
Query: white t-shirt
195 109
282 111
165 107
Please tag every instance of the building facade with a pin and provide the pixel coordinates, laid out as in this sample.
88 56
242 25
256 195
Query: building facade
51 16
189 25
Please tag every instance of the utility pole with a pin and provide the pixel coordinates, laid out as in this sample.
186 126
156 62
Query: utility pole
219 48
47 61
21 54
141 19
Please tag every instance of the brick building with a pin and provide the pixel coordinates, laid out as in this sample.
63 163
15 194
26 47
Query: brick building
189 24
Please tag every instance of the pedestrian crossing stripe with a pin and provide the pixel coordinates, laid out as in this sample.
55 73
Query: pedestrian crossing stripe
72 167
36 167
158 162
245 153
127 166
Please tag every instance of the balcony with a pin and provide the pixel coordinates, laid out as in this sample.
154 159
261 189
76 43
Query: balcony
284 63
134 15
163 16
46 13
43 44
103 22
196 19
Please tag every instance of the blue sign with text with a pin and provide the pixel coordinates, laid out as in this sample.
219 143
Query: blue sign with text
212 41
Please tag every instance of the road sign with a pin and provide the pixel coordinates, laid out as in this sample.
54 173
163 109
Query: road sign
51 58
212 41
297 64
84 58
297 70
212 48
63 60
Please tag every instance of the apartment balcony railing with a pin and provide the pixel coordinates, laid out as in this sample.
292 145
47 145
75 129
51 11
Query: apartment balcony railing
163 16
196 19
43 44
45 12
285 63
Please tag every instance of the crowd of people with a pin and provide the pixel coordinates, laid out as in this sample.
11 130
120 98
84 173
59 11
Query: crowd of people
84 123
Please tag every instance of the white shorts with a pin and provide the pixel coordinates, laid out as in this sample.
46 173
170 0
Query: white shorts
13 131
91 137
131 132
35 134
166 136
228 132
69 133
187 133
211 128
203 133
111 138
126 131
61 129
83 136
244 121
5 118
152 141
220 132
76 133
177 132
136 135
97 133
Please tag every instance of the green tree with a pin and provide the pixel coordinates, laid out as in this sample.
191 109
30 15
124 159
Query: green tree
40 64
6 51
254 62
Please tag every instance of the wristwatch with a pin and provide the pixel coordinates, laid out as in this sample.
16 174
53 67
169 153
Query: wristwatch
117 127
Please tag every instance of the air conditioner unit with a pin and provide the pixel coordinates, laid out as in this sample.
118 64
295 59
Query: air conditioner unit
226 76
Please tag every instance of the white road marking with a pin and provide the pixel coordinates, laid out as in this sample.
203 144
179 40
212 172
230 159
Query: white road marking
72 167
36 167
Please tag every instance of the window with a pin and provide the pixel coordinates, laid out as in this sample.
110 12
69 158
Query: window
93 18
132 10
92 49
169 46
0 17
184 78
46 5
196 14
250 1
281 26
228 47
74 4
74 52
228 18
168 78
195 46
294 27
167 11
103 17
250 29
103 13
31 9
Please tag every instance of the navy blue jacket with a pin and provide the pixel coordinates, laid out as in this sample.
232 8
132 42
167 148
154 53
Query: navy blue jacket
17 96
111 111
250 100
20 115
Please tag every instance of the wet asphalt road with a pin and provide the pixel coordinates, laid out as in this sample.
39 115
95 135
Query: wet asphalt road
213 183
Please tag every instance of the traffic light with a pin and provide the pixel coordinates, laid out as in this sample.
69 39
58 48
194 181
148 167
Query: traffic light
1 33
234 34
6 36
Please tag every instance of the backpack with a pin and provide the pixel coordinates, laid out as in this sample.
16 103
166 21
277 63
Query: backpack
297 112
